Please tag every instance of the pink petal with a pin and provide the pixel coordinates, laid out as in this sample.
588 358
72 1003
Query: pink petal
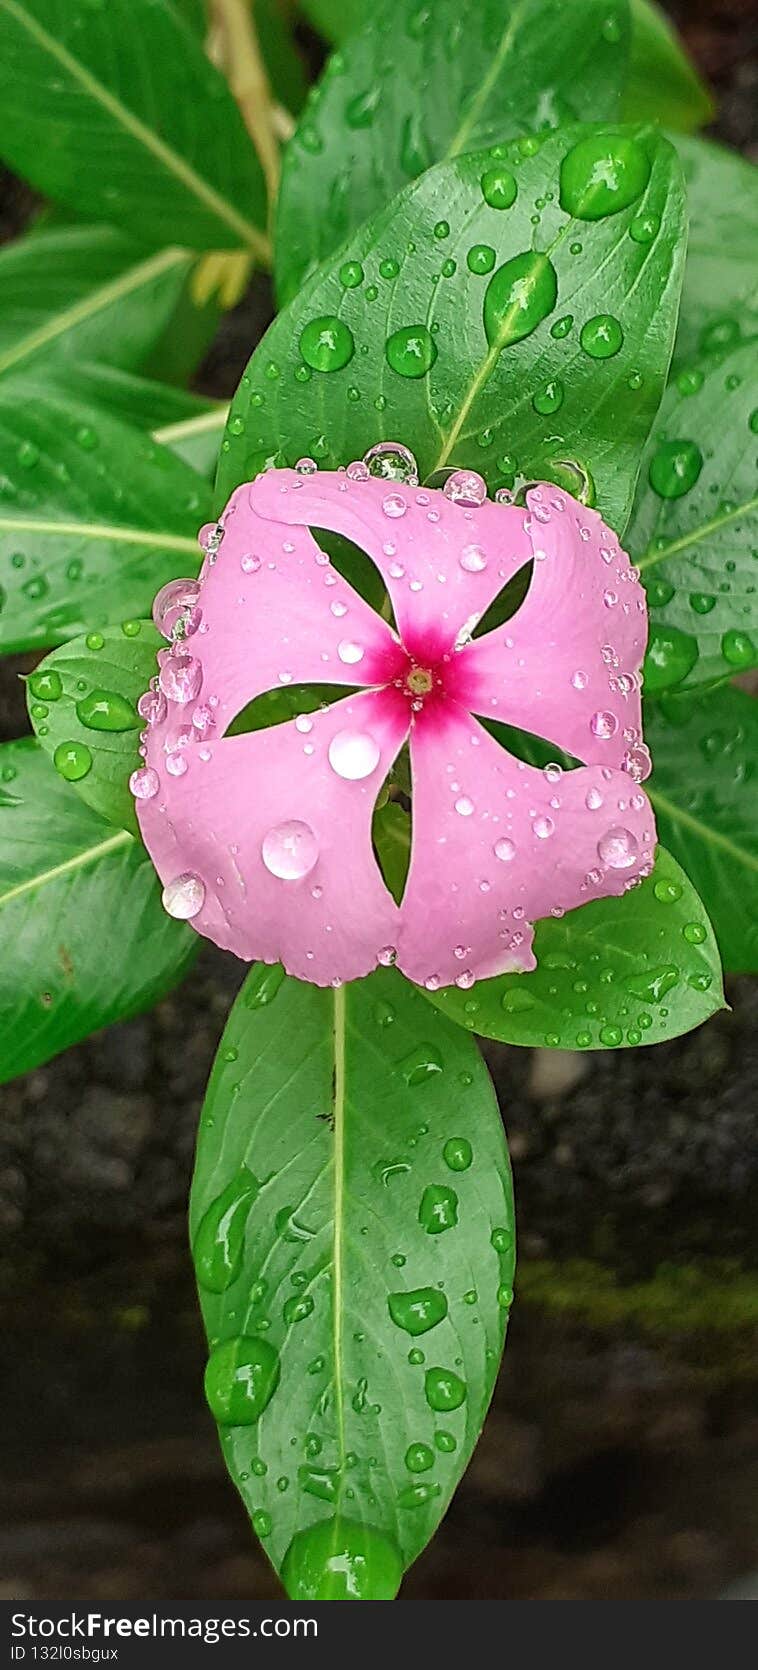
276 612
442 563
229 818
566 666
497 845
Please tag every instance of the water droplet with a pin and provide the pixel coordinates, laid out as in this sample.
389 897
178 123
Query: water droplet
419 1458
445 1442
562 327
46 686
349 653
444 1389
261 1523
463 806
94 640
602 175
702 602
480 259
465 487
220 1241
418 1310
504 850
354 755
472 559
290 850
499 188
262 985
618 848
548 399
144 783
654 985
543 828
674 468
152 707
518 297
738 649
72 760
338 1559
297 1308
601 337
458 1153
442 230
106 710
604 725
180 677
502 1240
240 1380
391 461
411 351
172 602
326 343
417 1495
422 1064
184 897
322 1482
671 655
694 933
394 505
667 892
438 1209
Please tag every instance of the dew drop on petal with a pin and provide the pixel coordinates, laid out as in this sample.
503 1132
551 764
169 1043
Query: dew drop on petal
579 680
604 725
144 783
180 677
152 707
184 897
290 850
350 653
472 559
465 487
543 828
637 762
303 724
391 461
504 850
618 848
464 806
394 505
354 755
171 602
593 800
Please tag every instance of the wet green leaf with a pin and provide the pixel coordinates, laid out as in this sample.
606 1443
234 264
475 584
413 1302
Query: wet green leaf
95 518
720 293
83 697
137 400
85 940
72 293
196 440
663 85
705 792
628 971
353 1235
334 19
472 76
523 342
694 528
128 81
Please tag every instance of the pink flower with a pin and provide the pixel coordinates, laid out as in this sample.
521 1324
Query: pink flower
263 840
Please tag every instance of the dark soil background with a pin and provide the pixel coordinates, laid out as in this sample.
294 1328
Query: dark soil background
620 1459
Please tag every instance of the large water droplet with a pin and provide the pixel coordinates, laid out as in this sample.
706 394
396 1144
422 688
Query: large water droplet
654 985
172 602
674 468
438 1209
444 1389
354 755
671 655
144 783
618 848
338 1559
602 175
180 677
411 351
458 1153
240 1380
419 1310
465 487
72 760
184 897
601 337
107 710
499 188
738 649
419 1458
46 686
391 461
518 297
220 1240
326 343
290 850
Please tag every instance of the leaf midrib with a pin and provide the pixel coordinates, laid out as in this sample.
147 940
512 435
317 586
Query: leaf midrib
99 530
138 130
460 138
694 537
80 860
92 304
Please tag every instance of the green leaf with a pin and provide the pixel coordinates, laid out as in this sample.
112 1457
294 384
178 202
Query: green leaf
720 294
634 970
391 831
663 84
281 59
497 339
472 76
116 111
705 793
74 292
85 940
196 440
94 517
83 706
352 1229
334 19
137 400
694 531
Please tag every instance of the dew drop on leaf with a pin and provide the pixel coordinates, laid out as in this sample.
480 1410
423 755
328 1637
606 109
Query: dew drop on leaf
240 1379
418 1310
499 188
674 468
518 297
72 760
601 337
411 351
443 1389
327 343
671 655
601 175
